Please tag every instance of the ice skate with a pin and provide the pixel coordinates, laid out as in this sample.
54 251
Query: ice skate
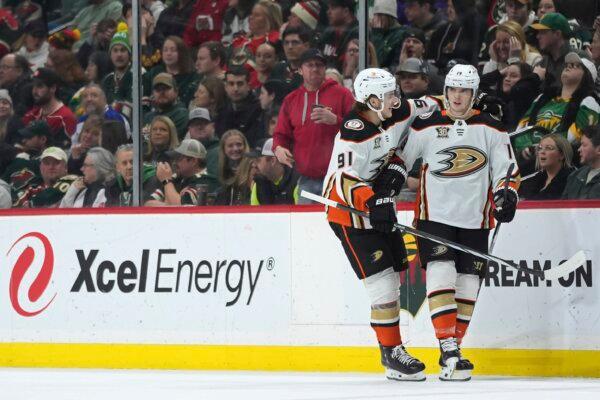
454 366
401 366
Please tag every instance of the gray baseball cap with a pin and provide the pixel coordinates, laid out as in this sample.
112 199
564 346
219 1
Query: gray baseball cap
414 66
189 148
199 113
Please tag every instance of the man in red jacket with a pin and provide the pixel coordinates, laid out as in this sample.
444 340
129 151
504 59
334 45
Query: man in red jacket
309 119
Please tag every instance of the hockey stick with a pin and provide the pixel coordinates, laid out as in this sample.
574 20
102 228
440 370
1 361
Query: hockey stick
506 181
554 273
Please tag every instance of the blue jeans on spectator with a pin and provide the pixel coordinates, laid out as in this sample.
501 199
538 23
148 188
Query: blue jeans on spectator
310 185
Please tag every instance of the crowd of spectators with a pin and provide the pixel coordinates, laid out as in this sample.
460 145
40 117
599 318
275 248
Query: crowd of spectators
242 99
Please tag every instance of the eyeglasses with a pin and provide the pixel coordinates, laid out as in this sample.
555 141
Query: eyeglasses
546 148
4 67
85 165
291 42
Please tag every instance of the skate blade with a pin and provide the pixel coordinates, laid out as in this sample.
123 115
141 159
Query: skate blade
453 374
398 376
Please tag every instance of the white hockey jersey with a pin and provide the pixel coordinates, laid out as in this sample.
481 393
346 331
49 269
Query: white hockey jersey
360 152
464 162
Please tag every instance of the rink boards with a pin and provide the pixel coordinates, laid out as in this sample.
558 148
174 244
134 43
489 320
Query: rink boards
270 289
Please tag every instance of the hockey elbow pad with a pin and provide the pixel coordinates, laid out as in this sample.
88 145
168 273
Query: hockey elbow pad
506 204
391 178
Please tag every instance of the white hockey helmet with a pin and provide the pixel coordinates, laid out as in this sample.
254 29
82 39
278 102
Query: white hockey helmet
374 82
462 76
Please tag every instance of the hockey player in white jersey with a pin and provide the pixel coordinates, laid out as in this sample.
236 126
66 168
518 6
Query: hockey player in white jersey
466 156
365 173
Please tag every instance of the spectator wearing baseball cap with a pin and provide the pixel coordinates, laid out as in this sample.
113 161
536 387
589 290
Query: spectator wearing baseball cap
413 78
166 103
386 33
49 108
202 128
343 26
413 46
309 119
55 181
35 137
422 14
553 32
191 177
35 46
275 183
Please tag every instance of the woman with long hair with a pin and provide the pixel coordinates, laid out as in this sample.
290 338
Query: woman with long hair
89 190
263 26
162 138
238 192
232 148
509 46
211 95
99 65
177 61
553 163
517 85
565 111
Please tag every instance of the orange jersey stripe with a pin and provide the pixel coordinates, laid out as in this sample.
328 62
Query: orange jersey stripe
388 335
362 270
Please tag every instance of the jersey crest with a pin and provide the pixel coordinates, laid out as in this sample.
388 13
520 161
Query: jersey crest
461 161
354 124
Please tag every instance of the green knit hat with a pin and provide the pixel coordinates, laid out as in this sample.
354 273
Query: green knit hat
121 37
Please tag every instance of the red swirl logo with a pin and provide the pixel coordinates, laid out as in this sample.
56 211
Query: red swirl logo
41 281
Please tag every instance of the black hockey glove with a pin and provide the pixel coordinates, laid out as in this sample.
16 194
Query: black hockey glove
490 104
505 210
391 178
382 213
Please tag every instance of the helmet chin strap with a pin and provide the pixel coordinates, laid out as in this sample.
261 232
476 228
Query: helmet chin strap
380 110
377 111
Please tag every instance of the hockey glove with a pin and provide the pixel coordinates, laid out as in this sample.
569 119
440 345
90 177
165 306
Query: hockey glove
391 178
490 104
505 210
382 213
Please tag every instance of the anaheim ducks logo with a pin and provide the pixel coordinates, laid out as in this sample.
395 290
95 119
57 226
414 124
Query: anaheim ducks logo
376 255
461 161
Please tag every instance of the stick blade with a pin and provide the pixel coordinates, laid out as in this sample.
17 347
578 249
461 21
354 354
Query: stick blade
564 269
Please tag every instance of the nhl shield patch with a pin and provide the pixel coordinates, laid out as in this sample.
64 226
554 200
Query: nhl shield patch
354 124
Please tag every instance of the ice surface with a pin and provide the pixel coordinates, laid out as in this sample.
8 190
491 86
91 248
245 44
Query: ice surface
67 384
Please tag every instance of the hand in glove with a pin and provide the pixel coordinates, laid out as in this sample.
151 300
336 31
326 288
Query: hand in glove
391 178
505 210
382 213
490 104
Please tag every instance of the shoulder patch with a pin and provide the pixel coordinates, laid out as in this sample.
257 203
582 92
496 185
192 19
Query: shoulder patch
354 124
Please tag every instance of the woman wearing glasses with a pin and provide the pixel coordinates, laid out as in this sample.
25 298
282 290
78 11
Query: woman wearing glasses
553 162
89 190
